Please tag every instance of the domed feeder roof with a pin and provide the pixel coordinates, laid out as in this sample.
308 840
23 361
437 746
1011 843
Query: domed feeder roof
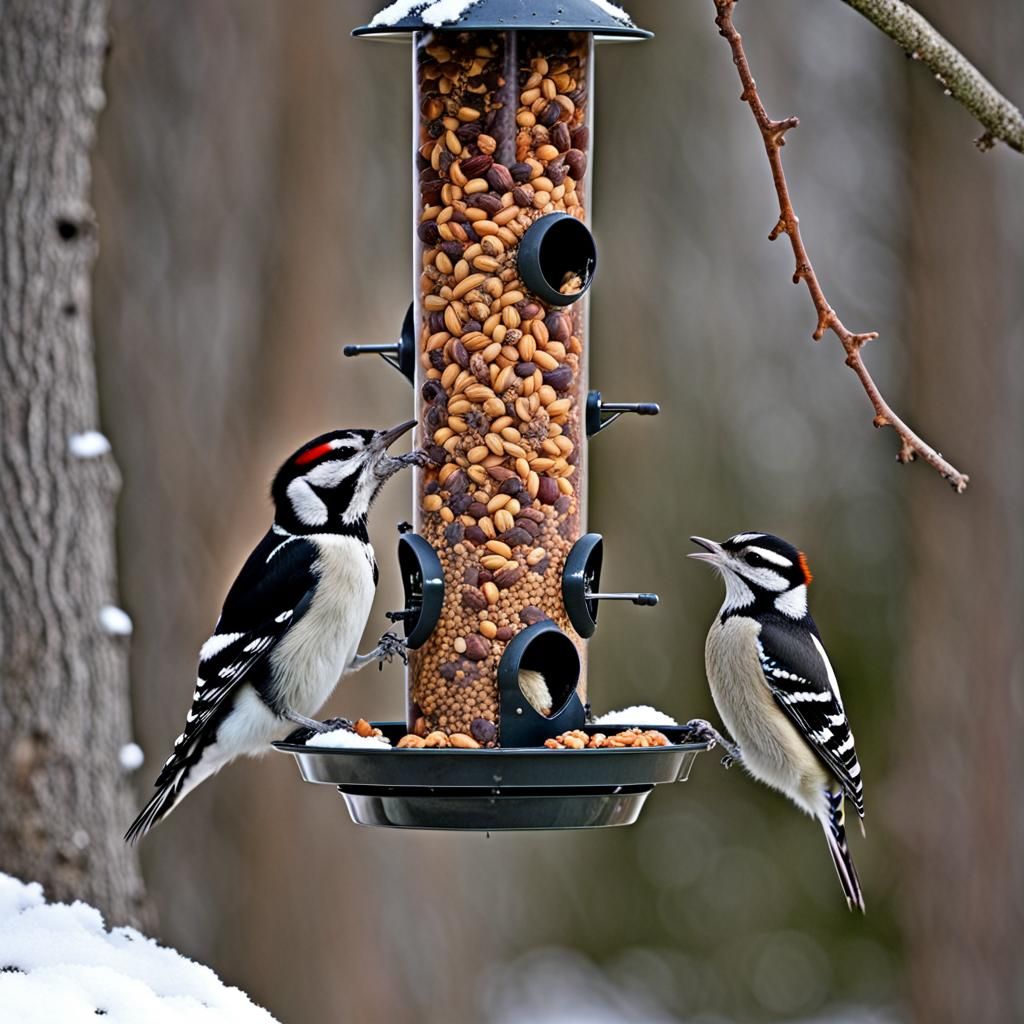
602 17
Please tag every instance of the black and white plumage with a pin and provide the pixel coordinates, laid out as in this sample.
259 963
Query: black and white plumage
292 619
776 691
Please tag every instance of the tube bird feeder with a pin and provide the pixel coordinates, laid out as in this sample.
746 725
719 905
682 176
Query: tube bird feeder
501 579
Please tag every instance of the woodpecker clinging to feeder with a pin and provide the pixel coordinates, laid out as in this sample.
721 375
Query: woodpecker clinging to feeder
775 689
292 619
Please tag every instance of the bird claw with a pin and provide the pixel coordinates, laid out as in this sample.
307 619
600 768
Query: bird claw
391 646
310 727
334 724
417 457
703 730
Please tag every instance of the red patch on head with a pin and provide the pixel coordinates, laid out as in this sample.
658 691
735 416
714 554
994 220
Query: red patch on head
313 454
805 568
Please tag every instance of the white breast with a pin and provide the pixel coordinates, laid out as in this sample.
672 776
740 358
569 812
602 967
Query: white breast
310 660
772 749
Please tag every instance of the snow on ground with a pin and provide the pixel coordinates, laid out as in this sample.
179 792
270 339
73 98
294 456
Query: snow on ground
58 963
88 445
639 714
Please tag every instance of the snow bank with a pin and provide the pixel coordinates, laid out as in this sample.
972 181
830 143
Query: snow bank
58 963
639 714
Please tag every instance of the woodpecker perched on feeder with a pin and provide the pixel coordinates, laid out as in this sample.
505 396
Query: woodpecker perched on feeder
776 691
292 619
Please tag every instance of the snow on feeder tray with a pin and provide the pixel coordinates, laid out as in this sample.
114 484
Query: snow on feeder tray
501 578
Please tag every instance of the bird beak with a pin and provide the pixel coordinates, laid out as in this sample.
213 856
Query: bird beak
386 438
713 554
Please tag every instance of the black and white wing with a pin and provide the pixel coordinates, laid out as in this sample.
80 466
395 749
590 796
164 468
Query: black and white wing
804 686
272 592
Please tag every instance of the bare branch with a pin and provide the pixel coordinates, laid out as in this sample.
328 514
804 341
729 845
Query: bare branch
960 79
773 133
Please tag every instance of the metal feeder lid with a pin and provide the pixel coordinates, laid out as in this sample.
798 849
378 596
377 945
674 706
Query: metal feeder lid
597 16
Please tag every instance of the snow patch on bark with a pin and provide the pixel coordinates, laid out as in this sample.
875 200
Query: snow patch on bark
88 445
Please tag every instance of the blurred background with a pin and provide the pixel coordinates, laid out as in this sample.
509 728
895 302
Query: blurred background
252 190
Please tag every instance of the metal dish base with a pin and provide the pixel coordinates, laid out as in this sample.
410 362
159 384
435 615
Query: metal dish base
504 789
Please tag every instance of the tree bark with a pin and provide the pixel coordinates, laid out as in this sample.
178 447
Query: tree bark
961 764
64 712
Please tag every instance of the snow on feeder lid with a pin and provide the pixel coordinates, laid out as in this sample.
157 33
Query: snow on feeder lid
606 20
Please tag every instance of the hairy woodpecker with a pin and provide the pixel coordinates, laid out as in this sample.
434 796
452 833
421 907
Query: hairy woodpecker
776 691
292 619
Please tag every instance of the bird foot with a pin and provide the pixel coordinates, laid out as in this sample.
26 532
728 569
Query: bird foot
334 724
310 727
703 730
390 646
417 457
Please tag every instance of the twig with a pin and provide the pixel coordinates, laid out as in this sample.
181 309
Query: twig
773 134
1001 120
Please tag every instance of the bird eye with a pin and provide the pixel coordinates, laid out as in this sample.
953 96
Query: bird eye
753 559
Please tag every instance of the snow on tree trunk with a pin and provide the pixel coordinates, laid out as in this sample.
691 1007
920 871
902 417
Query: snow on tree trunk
64 711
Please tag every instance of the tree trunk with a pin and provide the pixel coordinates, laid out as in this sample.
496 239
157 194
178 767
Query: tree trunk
64 710
960 736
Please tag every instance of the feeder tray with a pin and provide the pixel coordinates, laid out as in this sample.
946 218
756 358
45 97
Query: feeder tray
496 790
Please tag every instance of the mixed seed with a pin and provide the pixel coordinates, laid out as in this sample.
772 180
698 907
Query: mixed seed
503 140
577 739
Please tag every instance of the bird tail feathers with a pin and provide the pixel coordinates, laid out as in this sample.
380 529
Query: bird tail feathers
167 797
834 825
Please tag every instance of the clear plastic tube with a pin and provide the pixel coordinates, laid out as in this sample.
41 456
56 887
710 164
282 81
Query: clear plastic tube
501 136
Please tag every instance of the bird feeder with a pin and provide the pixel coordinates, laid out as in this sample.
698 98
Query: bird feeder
501 578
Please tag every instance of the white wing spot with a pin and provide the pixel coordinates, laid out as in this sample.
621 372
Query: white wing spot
284 616
806 695
217 643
